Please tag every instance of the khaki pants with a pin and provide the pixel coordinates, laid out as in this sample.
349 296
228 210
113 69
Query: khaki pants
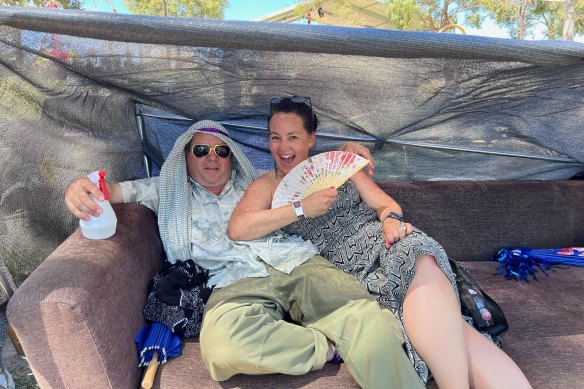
243 330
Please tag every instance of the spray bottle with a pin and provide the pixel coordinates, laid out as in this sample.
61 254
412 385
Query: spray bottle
104 225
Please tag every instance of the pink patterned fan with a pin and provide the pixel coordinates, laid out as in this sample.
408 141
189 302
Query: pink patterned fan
324 170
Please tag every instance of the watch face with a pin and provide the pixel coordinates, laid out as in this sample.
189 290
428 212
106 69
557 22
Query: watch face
298 209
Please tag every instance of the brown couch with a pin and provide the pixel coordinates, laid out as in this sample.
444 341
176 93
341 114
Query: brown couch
77 313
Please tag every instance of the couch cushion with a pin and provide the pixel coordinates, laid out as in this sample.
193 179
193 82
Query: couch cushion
188 370
474 219
546 323
545 338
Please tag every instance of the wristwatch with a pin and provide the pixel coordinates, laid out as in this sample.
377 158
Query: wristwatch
396 216
298 209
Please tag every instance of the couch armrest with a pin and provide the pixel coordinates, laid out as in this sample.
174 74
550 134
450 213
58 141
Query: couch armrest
77 314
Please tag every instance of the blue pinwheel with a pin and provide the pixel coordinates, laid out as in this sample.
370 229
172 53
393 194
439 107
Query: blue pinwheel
520 263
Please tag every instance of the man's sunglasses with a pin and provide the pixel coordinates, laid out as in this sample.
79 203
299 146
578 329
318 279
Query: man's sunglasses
222 151
295 99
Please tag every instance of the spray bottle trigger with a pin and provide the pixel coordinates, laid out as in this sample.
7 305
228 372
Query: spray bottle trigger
102 186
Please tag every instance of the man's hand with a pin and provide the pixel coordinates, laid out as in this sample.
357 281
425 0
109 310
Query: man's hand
78 201
359 149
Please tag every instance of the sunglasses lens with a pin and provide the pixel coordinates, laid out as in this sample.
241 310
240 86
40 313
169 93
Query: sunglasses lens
222 151
200 151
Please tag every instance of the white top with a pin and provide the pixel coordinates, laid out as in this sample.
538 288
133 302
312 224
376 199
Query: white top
227 260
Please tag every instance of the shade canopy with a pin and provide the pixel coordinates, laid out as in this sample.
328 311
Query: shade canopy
81 91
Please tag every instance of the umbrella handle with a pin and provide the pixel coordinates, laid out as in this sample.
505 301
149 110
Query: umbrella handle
150 373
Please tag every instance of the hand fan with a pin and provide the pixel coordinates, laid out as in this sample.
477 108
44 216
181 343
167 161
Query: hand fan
324 170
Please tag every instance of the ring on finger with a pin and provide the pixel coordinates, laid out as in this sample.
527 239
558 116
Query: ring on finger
402 225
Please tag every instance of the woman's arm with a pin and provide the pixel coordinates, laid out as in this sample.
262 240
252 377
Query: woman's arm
253 217
382 204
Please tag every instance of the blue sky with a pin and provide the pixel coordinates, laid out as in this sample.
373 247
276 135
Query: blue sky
252 9
237 10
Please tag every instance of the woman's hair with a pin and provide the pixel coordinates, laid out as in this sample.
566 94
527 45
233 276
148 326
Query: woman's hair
302 109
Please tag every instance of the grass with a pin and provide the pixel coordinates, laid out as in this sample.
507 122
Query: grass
25 382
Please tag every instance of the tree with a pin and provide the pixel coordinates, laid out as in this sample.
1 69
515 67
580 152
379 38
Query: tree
66 4
515 16
521 17
427 15
572 14
433 15
569 22
181 8
551 15
13 2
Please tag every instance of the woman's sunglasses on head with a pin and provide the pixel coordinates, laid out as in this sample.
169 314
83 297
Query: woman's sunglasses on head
295 99
201 150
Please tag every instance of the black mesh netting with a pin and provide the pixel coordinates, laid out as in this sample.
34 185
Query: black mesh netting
77 90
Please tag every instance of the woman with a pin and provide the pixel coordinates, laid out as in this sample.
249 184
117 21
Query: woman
360 229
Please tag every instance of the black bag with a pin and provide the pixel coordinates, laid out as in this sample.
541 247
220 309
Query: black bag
487 315
177 297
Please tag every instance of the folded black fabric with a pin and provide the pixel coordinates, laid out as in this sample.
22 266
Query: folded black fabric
177 297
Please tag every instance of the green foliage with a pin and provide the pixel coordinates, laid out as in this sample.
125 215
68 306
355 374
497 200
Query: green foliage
519 17
182 8
402 13
507 15
552 14
13 2
549 14
66 4
25 382
432 15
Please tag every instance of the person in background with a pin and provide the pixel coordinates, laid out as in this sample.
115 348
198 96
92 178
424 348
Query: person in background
256 283
361 230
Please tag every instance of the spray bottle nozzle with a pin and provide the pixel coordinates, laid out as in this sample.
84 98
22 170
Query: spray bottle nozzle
101 184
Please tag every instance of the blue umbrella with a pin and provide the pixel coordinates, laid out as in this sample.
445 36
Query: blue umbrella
155 343
520 263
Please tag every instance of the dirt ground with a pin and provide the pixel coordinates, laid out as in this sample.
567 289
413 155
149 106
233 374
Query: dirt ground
18 367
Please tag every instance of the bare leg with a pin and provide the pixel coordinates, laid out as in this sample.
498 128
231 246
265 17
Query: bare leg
489 366
434 324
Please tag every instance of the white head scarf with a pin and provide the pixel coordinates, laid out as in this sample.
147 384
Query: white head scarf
174 213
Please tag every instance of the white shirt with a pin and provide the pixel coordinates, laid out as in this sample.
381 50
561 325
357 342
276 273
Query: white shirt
227 260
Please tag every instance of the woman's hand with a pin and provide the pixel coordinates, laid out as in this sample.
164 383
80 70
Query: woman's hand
78 201
394 230
319 203
359 149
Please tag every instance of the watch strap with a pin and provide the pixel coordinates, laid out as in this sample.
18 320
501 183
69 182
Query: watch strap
298 209
395 215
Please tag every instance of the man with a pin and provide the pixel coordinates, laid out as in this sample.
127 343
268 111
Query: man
203 178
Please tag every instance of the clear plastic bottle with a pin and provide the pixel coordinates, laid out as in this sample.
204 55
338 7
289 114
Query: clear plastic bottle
481 304
104 225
